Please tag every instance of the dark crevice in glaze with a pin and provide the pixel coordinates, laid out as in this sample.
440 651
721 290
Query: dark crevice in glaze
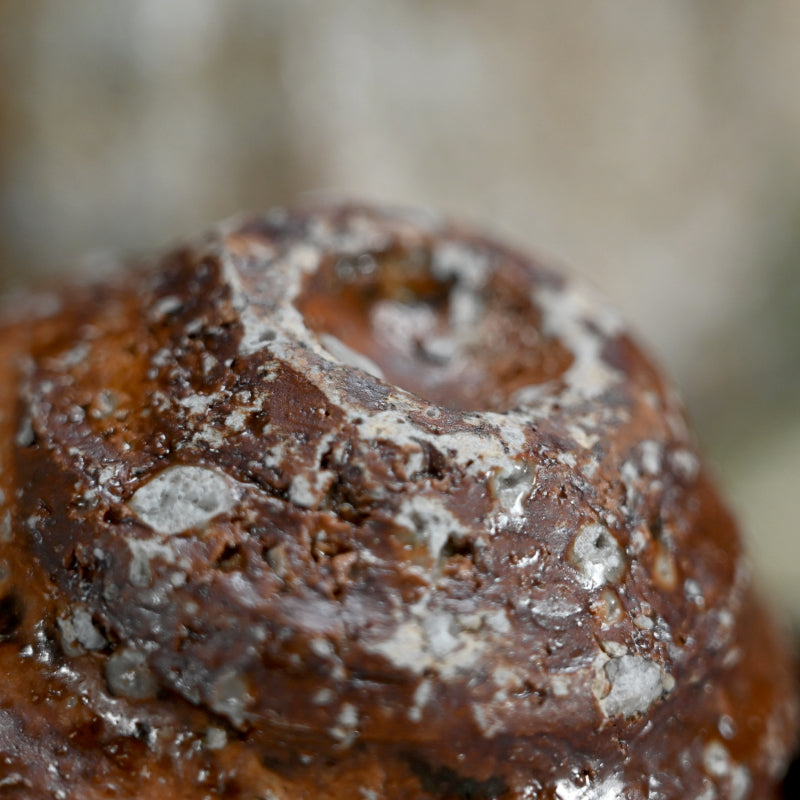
449 339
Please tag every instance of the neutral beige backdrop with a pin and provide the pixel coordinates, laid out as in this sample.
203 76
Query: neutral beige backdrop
654 147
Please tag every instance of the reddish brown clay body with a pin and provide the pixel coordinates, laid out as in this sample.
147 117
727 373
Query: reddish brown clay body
349 503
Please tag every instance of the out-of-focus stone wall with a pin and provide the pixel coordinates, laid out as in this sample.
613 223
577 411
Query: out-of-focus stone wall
652 146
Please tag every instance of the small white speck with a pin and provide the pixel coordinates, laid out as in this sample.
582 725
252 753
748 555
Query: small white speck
643 622
693 592
614 649
686 464
511 487
651 457
128 675
209 362
106 474
636 683
165 306
78 632
741 782
5 527
198 403
322 648
308 491
610 788
236 420
726 727
709 793
460 261
421 697
216 738
142 552
346 728
597 555
230 697
716 759
323 697
26 435
429 519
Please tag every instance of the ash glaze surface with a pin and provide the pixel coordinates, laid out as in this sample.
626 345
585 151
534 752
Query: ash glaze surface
350 502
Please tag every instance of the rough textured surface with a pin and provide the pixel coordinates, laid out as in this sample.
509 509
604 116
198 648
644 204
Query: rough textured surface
353 503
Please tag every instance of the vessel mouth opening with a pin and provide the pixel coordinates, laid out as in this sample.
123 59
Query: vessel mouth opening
455 337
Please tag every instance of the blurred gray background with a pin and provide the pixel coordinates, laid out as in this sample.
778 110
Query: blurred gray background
653 147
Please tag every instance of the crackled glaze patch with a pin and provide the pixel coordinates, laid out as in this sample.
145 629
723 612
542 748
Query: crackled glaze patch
181 498
598 556
635 684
